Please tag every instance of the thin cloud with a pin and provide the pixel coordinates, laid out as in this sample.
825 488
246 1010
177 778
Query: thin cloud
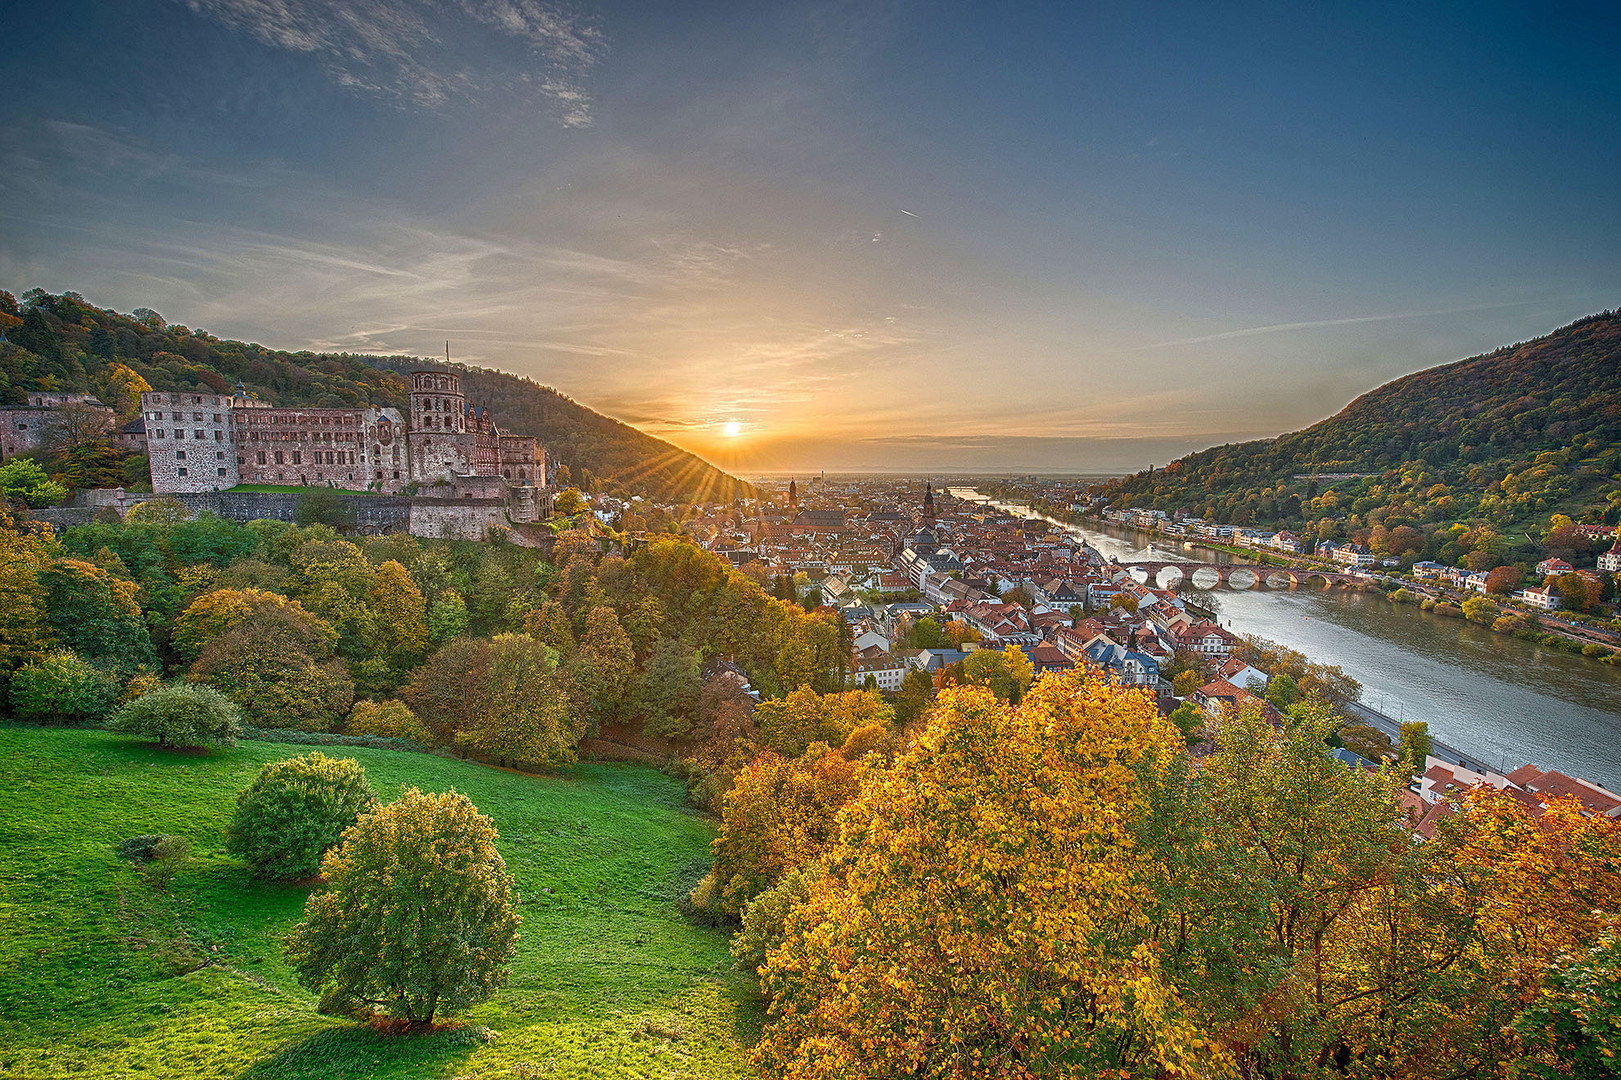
427 54
1315 324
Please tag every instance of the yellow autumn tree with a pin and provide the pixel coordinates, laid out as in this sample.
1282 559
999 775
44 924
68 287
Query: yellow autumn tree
778 817
789 725
983 909
24 635
216 612
401 628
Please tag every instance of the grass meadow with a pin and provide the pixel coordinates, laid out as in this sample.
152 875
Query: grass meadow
101 975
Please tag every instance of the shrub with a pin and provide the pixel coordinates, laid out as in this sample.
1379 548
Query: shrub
390 719
418 916
1451 611
181 714
139 849
295 810
1508 624
62 688
765 918
170 855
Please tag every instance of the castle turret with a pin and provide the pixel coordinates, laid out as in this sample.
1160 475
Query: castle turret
437 403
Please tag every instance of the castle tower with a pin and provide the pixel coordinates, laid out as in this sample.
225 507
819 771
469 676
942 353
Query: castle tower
437 404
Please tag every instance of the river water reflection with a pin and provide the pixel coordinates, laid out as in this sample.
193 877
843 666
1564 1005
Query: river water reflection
1503 700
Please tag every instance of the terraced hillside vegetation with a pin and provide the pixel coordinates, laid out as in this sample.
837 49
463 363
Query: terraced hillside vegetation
108 976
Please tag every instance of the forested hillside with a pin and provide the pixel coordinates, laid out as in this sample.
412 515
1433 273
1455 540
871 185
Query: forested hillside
1507 438
64 343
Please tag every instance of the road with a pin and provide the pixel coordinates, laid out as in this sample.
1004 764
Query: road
1388 725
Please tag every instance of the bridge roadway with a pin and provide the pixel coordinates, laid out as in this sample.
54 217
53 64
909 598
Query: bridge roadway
1224 572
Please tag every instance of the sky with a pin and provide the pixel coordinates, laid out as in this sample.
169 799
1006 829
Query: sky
911 236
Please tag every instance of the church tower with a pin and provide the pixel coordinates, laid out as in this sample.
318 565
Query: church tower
793 496
928 504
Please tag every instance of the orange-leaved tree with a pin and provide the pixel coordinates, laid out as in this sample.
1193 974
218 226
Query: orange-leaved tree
984 910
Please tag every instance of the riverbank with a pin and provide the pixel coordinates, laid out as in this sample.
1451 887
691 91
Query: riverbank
1508 701
1588 642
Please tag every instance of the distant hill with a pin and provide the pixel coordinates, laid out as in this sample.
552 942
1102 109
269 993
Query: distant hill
64 343
1509 437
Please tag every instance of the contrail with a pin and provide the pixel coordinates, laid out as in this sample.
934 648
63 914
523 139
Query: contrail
1279 328
908 213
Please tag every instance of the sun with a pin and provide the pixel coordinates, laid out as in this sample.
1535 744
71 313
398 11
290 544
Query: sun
731 429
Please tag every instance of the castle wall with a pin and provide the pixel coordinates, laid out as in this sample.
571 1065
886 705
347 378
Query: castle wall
191 440
22 428
302 446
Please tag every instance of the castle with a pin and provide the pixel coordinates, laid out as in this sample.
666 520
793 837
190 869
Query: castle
447 448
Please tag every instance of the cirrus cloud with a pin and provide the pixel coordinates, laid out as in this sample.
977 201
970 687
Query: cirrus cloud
428 54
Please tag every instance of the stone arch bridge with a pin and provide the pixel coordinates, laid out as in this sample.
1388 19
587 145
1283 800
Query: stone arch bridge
1168 575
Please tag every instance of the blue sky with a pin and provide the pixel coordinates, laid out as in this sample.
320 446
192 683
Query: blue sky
1081 236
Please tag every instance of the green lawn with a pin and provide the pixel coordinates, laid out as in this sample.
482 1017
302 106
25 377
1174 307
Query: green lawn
100 976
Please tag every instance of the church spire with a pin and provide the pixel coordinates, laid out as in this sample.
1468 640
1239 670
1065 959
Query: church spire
793 495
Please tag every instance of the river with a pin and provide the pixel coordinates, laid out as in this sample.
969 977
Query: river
1499 699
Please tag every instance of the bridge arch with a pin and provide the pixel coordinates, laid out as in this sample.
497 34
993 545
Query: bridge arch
1242 578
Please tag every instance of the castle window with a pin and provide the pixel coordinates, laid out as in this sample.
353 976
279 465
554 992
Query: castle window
182 472
218 419
160 433
222 472
298 457
197 433
197 416
261 457
177 416
180 455
279 458
219 455
219 436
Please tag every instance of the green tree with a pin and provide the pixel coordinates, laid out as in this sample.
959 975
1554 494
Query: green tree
1574 1027
667 688
181 714
23 481
550 626
62 687
1282 691
97 615
447 617
917 690
294 811
417 917
523 712
604 665
279 667
1416 744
